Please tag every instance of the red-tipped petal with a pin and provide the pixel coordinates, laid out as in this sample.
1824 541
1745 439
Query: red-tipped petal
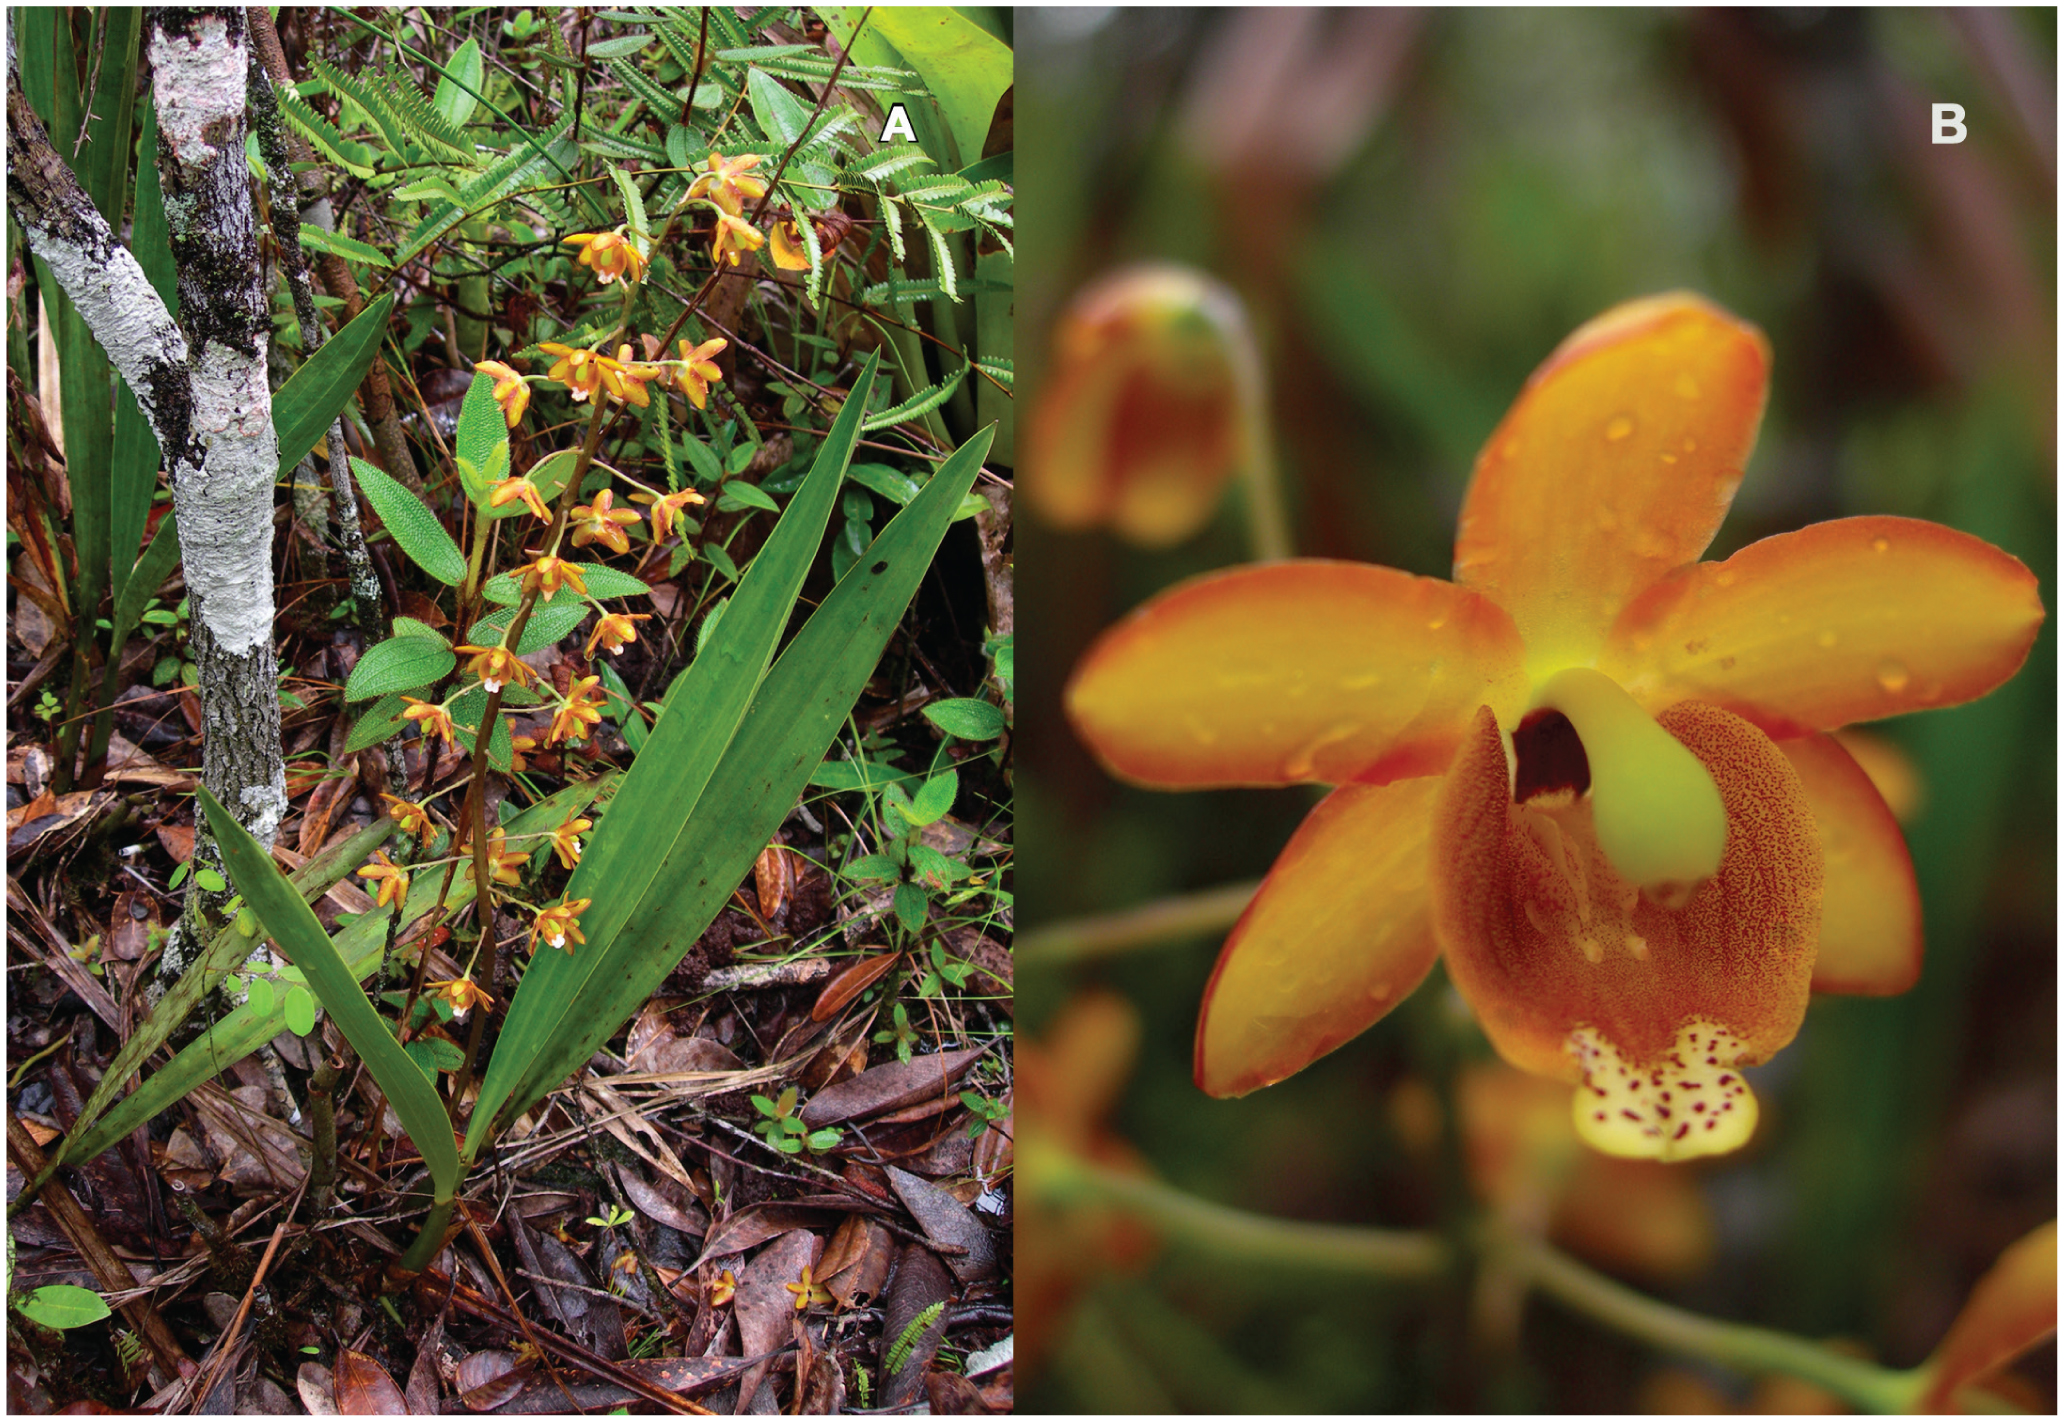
1616 465
1573 975
1337 936
1843 621
1870 915
1291 672
2013 1308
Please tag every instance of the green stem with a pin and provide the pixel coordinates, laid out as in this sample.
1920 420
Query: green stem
1407 1254
1150 925
1750 1349
1249 1238
431 1238
1268 522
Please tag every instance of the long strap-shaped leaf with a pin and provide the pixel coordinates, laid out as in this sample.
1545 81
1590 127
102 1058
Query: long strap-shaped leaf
794 715
229 949
315 394
294 926
701 714
362 946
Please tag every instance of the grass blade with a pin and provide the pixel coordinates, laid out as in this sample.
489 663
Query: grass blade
229 949
293 925
316 393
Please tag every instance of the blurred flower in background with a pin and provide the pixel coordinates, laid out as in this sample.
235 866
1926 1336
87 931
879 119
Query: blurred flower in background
1413 206
1153 407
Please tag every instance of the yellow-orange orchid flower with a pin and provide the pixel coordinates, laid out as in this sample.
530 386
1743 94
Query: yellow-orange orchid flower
1592 771
510 391
504 865
579 371
614 631
510 490
599 523
698 370
496 667
519 747
808 1291
610 254
732 236
566 841
1152 407
559 925
665 507
413 818
722 1288
433 720
625 378
786 247
727 184
462 993
545 574
391 877
571 721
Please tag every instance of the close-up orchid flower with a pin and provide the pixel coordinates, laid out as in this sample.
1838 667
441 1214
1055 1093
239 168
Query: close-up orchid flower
1590 771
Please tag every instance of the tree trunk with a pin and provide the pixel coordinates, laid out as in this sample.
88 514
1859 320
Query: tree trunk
203 388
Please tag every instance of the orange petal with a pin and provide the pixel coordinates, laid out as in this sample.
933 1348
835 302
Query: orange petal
1291 672
1844 621
1615 466
2013 1308
1574 975
1337 936
1870 915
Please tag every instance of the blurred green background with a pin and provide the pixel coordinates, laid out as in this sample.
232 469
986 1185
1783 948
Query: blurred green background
1418 206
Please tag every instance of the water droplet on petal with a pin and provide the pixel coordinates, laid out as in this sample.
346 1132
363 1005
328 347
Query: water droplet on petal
1881 545
1893 677
1725 578
1827 639
1619 427
1690 445
1687 385
1510 449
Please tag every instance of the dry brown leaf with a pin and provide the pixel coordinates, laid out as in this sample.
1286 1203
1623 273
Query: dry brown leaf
948 1223
889 1087
921 1281
657 1200
489 1379
756 1225
317 1394
763 1305
363 1388
850 984
858 1279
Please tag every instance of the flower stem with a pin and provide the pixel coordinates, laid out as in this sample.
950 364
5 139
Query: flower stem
1150 925
1268 522
1065 1178
1238 1235
1751 1349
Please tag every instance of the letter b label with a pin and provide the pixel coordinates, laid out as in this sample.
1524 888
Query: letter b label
1949 123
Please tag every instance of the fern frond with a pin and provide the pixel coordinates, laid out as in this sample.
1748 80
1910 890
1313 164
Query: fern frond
427 126
320 132
917 406
906 1341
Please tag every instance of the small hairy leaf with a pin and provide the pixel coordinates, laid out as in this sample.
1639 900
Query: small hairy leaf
414 527
967 718
399 664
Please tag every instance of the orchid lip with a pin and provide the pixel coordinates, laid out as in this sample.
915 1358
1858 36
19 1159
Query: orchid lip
1658 813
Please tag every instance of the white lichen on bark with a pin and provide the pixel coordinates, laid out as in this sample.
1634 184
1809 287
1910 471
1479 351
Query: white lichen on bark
225 506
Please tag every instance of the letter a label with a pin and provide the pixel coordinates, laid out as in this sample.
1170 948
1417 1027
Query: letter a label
898 126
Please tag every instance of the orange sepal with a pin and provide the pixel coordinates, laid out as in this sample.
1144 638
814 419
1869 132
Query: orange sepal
2011 1309
1848 620
1616 465
1738 953
1337 936
1291 672
1870 915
